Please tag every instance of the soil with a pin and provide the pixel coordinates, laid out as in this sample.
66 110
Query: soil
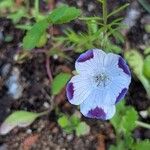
44 133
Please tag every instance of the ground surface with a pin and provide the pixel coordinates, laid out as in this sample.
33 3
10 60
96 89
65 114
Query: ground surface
44 133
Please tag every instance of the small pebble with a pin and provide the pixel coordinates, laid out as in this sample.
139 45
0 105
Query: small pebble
5 70
13 84
46 105
29 131
144 113
70 137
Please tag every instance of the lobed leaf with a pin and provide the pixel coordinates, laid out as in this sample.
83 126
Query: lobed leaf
82 129
63 14
33 36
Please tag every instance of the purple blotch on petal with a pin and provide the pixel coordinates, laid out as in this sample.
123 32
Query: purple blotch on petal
121 95
122 64
97 113
70 90
85 56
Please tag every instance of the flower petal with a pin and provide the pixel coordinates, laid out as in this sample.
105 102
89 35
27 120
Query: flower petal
120 78
78 89
90 62
113 60
93 106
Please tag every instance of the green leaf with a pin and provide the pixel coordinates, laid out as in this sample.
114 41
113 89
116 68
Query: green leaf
59 82
33 36
124 119
135 60
63 14
147 28
117 10
74 120
147 50
146 67
16 16
18 118
82 129
128 122
145 4
63 121
142 145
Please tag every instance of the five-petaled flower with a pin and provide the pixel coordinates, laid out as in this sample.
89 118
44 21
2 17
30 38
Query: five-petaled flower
102 81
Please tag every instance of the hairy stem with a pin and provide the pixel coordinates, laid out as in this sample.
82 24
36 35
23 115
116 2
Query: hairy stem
142 124
104 11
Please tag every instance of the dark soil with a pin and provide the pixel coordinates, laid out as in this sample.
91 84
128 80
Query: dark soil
36 96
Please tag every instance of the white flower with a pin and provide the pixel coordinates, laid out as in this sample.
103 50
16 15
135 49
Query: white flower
102 81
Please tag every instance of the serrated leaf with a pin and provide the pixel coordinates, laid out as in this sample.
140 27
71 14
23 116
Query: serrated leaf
128 122
63 121
82 129
63 14
142 145
59 82
33 36
125 118
17 118
74 120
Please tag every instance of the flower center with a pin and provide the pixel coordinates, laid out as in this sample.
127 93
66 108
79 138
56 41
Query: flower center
101 80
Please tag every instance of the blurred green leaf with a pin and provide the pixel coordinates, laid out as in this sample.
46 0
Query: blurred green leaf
147 50
74 120
17 15
142 145
145 4
63 14
6 4
82 129
63 121
125 118
135 60
147 28
146 67
59 82
33 36
129 119
18 118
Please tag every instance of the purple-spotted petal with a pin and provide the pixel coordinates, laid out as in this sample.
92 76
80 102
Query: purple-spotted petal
121 95
94 107
90 62
86 56
122 64
78 89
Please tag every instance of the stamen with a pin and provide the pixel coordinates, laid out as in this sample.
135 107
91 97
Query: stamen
101 79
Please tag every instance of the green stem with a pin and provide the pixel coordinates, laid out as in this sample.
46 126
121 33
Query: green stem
36 7
43 113
146 85
104 11
142 124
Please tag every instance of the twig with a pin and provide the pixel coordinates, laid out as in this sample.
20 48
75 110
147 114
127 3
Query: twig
48 68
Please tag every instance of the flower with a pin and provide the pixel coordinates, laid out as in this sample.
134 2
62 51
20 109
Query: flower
102 81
